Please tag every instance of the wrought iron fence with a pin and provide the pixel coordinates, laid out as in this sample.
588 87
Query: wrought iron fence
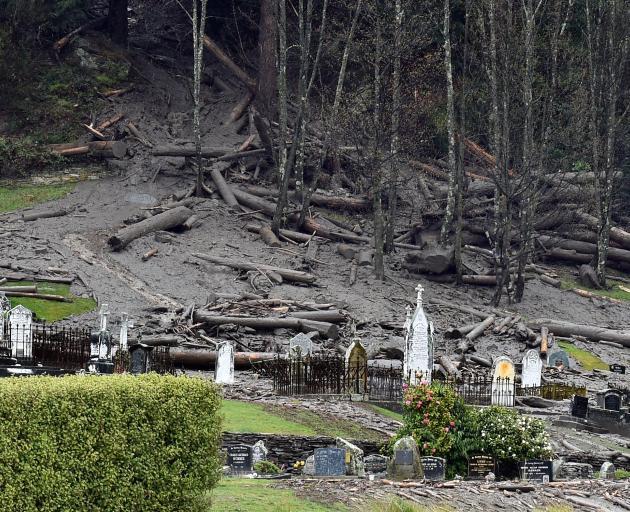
551 391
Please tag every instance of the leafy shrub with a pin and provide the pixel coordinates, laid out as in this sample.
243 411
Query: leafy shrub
22 157
265 467
85 443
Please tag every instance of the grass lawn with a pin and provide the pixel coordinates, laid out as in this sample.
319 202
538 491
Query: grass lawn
51 310
586 359
15 197
247 495
615 292
276 419
385 412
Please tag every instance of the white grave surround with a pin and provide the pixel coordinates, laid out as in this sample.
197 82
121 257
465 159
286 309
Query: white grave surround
224 371
502 389
532 369
419 345
21 325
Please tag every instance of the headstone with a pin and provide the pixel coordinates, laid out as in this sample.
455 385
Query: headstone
405 464
5 306
353 457
575 471
503 382
224 372
300 345
618 368
329 461
124 326
356 364
375 464
140 358
103 314
540 471
480 466
579 406
532 369
309 466
418 359
21 329
609 399
259 452
434 468
239 459
607 471
559 359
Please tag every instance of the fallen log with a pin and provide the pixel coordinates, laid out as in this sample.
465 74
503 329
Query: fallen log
479 280
331 202
28 277
99 148
133 130
617 234
94 131
568 255
457 332
556 283
479 330
502 324
482 361
192 221
160 222
110 93
364 258
269 237
347 251
240 107
458 307
96 23
3 280
110 122
206 151
333 316
29 217
161 341
43 296
544 340
325 329
288 274
448 365
201 359
224 189
311 225
253 202
25 289
614 253
594 333
292 235
216 50
149 254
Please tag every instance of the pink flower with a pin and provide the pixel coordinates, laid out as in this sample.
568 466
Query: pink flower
446 429
424 383
405 386
425 445
425 421
419 405
452 423
407 402
426 414
433 450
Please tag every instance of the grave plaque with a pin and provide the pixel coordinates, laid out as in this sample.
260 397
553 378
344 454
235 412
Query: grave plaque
540 471
618 368
479 466
579 406
330 461
240 459
434 468
403 457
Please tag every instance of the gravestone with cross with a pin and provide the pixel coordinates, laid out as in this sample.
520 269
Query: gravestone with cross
503 382
532 369
224 371
21 332
125 324
101 346
418 357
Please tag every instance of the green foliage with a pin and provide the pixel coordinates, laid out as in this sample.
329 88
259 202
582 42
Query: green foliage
614 291
586 359
51 310
87 443
16 197
265 467
22 157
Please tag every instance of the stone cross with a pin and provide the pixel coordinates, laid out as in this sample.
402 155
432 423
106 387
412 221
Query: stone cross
20 326
532 369
503 382
124 326
224 370
418 361
104 312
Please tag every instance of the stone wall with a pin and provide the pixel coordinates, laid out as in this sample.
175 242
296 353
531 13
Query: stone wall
289 449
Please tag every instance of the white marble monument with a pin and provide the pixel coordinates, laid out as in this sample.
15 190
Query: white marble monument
503 382
532 369
300 345
224 370
125 324
418 361
21 328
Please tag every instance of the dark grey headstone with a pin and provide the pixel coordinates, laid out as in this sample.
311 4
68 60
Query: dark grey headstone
579 406
330 461
540 471
240 459
434 468
618 368
140 358
480 465
403 457
612 401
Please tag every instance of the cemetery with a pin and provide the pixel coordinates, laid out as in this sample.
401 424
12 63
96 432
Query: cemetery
314 256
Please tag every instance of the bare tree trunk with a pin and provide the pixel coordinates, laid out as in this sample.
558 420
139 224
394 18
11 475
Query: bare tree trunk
278 217
266 85
395 136
450 123
199 30
379 267
117 24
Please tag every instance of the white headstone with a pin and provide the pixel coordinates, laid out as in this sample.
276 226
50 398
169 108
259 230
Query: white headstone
104 312
301 344
20 324
5 306
124 326
503 382
532 369
418 363
224 371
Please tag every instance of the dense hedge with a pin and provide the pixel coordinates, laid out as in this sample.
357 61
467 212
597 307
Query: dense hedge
115 443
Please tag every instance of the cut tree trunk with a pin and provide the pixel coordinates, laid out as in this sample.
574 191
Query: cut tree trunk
562 328
269 237
206 151
448 365
229 63
457 332
253 202
617 234
333 316
25 289
99 148
28 217
614 253
556 283
292 235
224 188
331 202
160 222
203 359
479 330
325 329
240 107
288 274
43 296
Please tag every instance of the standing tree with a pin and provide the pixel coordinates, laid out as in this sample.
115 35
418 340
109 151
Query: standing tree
199 30
117 24
267 34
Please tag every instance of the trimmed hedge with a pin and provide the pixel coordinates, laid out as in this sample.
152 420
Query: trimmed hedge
114 443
